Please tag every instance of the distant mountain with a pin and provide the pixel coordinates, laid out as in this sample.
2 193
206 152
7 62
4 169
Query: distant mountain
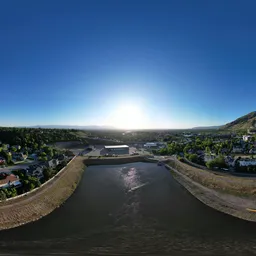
77 127
206 128
242 123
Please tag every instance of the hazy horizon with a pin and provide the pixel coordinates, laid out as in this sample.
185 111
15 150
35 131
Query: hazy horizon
127 64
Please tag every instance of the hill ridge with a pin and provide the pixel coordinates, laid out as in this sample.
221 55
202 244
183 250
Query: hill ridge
247 121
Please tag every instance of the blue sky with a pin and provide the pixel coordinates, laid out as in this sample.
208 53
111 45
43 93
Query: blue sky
134 64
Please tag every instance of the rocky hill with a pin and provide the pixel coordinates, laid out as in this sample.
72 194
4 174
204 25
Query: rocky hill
245 122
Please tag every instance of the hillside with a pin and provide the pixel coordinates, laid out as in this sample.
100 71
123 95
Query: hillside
206 128
245 122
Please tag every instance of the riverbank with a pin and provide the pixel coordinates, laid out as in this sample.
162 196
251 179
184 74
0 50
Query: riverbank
228 194
43 201
113 160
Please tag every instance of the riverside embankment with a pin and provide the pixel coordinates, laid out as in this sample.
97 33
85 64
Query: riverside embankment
230 195
114 160
42 201
225 193
131 209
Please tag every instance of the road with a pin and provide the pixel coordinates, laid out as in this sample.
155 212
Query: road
17 166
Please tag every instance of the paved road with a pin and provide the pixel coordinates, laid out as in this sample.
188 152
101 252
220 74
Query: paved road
17 166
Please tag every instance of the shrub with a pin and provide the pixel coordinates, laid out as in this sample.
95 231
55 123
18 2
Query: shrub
217 162
2 195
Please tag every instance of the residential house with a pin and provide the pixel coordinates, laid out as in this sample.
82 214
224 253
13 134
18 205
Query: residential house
200 152
2 161
191 151
230 161
52 163
209 157
237 149
62 158
224 150
7 181
247 138
150 145
251 130
33 156
247 162
18 156
252 151
36 171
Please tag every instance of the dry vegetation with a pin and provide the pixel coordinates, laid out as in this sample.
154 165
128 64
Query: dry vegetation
223 183
43 201
225 193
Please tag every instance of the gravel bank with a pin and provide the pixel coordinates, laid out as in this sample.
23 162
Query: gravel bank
225 197
32 207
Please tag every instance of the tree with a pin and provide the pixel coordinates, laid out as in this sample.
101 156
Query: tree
34 181
48 151
10 192
217 162
43 154
43 158
208 150
7 156
198 141
48 173
193 158
19 173
13 149
2 195
35 146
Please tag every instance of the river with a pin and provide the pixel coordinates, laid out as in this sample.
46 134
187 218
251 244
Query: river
132 208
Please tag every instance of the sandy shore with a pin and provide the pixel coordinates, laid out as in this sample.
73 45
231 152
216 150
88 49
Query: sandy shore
228 194
32 207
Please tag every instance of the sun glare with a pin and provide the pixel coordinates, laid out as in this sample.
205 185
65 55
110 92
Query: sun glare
127 117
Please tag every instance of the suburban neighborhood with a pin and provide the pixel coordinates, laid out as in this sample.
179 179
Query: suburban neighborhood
25 167
30 157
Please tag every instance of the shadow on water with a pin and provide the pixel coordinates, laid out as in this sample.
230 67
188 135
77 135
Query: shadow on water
135 207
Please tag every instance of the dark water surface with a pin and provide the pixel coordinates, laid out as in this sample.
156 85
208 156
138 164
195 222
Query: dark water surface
132 208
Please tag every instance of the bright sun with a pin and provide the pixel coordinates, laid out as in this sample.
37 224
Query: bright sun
127 117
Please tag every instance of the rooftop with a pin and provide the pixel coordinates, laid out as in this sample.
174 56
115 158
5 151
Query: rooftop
117 146
10 178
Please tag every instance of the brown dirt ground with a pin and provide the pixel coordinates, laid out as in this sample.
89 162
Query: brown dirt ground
229 194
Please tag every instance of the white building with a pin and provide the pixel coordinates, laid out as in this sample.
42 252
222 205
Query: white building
246 138
117 149
247 162
151 145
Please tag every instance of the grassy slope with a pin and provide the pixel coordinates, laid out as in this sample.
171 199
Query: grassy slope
243 123
223 183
